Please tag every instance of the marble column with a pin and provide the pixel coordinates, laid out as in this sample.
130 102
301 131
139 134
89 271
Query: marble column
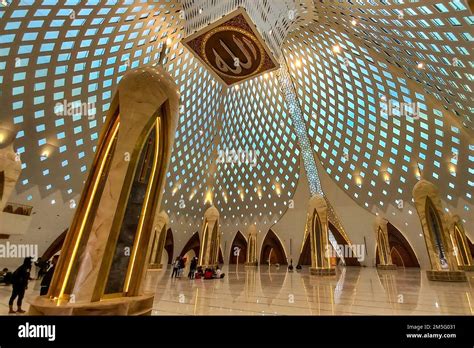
252 246
10 170
317 227
461 245
133 151
383 247
435 230
210 239
161 230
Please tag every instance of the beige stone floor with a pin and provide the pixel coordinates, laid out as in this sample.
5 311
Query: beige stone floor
272 291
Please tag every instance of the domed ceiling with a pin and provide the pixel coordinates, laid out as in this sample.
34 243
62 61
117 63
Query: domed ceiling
378 92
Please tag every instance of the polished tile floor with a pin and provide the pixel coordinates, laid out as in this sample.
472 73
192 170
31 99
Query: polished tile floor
272 291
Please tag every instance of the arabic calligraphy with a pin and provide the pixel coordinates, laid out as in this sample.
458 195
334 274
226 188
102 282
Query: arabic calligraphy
238 64
233 52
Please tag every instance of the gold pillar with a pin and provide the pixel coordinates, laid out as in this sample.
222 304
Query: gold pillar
158 240
252 246
383 246
461 245
106 251
317 227
210 239
435 230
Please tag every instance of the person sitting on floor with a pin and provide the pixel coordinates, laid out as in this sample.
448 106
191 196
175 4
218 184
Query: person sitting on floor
219 274
208 273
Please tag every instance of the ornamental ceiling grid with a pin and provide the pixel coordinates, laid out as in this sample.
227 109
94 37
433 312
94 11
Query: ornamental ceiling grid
365 141
72 54
430 40
274 18
255 121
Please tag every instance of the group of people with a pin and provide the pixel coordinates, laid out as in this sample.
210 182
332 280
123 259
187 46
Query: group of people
195 272
22 275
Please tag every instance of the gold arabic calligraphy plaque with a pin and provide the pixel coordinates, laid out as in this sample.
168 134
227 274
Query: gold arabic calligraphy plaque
232 49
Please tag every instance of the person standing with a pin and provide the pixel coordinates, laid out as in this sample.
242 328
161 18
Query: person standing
48 277
175 268
20 284
192 268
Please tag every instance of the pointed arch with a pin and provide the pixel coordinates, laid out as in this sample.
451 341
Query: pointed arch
305 256
350 261
55 246
194 243
241 243
401 251
169 245
272 249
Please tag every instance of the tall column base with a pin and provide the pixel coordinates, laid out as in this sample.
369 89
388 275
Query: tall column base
322 271
250 264
129 306
468 268
390 267
155 266
447 276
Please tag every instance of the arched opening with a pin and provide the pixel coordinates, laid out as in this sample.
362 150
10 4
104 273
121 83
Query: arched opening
169 245
305 256
193 244
139 198
55 246
400 250
350 261
272 250
238 251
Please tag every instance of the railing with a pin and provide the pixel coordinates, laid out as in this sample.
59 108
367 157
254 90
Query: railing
18 209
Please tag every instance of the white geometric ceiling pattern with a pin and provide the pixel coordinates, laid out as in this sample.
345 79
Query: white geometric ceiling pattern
353 64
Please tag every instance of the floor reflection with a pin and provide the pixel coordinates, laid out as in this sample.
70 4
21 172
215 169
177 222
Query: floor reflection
272 291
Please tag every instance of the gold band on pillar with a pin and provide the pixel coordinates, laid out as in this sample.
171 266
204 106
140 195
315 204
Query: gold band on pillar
252 246
66 269
161 231
144 109
383 246
435 230
210 236
317 227
459 239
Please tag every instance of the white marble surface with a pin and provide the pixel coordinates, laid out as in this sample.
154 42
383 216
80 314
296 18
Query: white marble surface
357 291
248 291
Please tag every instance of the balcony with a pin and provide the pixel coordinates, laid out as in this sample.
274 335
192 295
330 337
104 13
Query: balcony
15 219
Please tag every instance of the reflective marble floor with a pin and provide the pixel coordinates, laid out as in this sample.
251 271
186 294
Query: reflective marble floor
272 291
353 291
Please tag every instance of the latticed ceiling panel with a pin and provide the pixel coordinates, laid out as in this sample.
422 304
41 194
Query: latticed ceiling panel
431 41
368 144
255 120
74 52
77 51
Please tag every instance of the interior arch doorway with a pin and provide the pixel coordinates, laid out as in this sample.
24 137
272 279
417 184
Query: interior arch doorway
194 243
400 250
272 250
238 251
